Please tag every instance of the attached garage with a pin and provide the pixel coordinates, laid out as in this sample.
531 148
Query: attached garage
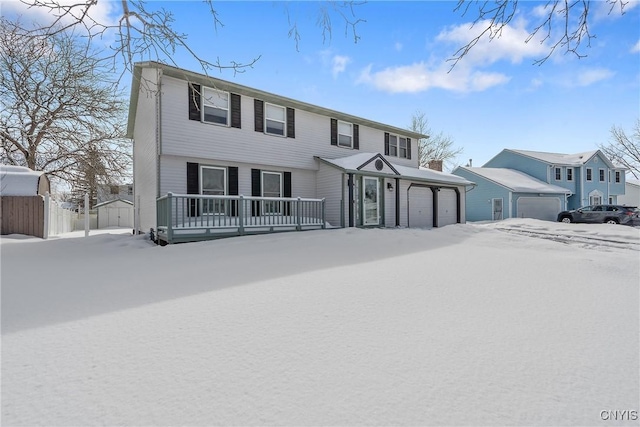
115 213
545 208
420 202
447 207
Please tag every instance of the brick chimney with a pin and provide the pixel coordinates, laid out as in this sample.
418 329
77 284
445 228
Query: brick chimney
436 165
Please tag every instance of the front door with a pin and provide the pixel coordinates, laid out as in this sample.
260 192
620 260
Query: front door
370 201
497 209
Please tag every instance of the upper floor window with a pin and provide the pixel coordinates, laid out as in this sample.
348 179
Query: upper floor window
275 119
398 146
345 134
602 175
558 174
215 106
617 176
569 174
589 174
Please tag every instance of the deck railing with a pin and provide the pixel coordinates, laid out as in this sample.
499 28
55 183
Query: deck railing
192 217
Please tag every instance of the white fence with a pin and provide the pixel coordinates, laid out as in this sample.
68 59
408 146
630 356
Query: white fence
60 220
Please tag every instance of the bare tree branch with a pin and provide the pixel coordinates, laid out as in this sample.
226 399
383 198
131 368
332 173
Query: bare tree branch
624 149
437 146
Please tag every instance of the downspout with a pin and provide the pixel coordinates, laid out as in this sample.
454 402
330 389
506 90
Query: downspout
397 202
158 129
582 178
510 204
436 196
458 214
350 201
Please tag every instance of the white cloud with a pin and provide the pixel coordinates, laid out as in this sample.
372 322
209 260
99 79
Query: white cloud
339 64
588 77
510 44
636 47
418 78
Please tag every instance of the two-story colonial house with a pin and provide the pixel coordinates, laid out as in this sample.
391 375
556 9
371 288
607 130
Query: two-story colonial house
204 137
533 184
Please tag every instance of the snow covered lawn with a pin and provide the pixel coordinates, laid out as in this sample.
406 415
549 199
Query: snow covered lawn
520 322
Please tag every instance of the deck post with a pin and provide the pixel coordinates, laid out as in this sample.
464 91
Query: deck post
241 215
169 225
299 215
323 221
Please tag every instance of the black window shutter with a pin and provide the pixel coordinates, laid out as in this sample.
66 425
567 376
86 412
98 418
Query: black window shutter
409 148
386 143
258 108
256 191
291 123
356 137
193 187
236 119
232 183
194 101
287 192
334 132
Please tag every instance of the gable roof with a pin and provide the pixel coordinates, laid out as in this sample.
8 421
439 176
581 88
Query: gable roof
128 202
515 181
224 85
353 164
577 159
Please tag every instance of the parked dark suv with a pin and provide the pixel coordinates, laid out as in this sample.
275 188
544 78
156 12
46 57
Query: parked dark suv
609 214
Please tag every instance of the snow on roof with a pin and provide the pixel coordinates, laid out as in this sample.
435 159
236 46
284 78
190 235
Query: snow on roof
353 162
558 158
633 182
18 181
516 181
128 202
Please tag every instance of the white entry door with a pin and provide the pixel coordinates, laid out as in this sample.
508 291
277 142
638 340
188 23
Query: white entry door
370 201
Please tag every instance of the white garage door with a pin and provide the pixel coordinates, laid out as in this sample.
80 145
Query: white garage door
420 207
545 208
447 207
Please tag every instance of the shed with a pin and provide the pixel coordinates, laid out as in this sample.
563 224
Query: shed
22 202
22 181
115 213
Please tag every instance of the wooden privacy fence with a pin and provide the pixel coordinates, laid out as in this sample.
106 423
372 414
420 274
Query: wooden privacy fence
23 215
38 216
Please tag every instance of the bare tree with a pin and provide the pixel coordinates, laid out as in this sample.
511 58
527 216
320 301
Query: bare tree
624 149
59 109
142 31
564 23
437 147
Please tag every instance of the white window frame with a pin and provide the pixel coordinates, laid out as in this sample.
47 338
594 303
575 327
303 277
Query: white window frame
393 147
569 174
215 92
601 175
267 204
589 175
406 143
224 186
558 174
267 118
349 135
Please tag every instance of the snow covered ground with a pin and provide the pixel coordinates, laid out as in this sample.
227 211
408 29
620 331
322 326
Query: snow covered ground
520 322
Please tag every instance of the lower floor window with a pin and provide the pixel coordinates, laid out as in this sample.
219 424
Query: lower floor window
213 183
272 187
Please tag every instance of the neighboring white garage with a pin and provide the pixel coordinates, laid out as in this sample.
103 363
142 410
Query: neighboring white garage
420 201
115 213
447 207
545 208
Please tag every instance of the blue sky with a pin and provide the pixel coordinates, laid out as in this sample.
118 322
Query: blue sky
494 98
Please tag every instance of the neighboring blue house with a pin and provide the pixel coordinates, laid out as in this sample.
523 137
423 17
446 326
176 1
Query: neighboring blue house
532 184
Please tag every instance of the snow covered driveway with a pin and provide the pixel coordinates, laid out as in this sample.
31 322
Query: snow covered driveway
464 325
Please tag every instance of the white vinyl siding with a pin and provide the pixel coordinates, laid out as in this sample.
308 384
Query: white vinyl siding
329 186
145 153
189 138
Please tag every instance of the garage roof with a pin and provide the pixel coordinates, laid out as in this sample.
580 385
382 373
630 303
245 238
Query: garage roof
516 181
353 164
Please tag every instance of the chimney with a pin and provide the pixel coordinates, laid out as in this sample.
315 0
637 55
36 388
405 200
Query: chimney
436 165
470 163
